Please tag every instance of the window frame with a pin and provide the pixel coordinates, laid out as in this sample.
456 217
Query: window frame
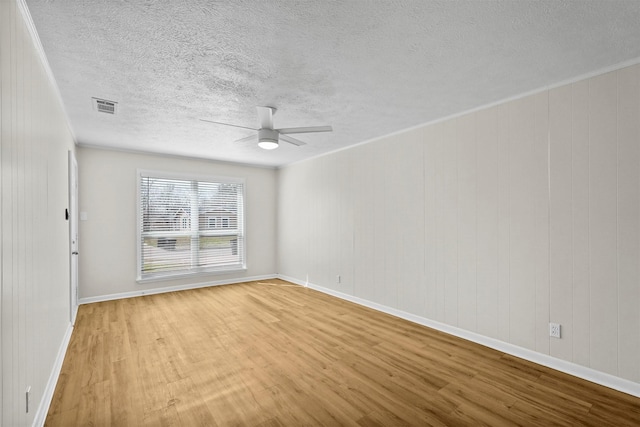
140 173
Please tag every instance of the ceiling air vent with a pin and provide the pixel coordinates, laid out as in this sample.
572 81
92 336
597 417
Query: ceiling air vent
104 106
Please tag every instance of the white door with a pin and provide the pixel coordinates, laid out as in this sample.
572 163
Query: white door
73 233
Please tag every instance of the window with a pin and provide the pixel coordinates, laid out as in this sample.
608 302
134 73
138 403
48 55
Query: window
211 222
185 223
189 225
219 222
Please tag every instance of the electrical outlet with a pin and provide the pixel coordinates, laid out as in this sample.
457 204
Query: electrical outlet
338 279
554 330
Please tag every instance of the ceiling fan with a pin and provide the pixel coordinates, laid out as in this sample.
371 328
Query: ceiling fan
268 137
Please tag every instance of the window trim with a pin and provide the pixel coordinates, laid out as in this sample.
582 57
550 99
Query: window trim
190 177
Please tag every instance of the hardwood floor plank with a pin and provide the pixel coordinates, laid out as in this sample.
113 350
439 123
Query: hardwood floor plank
125 394
93 405
191 408
270 353
487 406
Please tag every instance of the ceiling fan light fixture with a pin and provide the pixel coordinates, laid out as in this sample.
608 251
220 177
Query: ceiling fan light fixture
268 144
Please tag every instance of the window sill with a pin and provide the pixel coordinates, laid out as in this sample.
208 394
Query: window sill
164 278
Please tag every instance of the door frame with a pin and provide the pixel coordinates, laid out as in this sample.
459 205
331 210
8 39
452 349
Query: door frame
73 237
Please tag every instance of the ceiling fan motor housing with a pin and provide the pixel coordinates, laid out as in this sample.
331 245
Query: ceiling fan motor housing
267 135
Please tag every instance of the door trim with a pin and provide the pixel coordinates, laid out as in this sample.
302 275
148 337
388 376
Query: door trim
73 237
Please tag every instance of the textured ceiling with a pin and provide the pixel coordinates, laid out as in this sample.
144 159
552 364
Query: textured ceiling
368 68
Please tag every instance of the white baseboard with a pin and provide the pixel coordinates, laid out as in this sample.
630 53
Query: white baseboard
589 374
139 293
47 396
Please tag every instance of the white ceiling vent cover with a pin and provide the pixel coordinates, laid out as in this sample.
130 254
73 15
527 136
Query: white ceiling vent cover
104 105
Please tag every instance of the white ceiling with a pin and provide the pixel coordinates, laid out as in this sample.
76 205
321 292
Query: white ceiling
368 68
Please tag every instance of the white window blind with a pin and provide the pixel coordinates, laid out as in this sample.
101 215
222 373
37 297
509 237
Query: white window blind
176 236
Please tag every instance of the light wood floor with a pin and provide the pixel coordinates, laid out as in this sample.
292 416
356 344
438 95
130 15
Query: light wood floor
273 354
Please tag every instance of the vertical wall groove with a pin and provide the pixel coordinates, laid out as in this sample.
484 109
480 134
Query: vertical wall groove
617 139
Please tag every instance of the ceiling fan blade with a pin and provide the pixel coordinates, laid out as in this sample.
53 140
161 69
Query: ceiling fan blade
291 140
247 138
265 116
308 129
227 124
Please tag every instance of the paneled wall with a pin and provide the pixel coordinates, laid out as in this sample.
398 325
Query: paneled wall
497 222
34 281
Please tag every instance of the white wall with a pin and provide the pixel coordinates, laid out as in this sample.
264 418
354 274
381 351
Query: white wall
495 222
108 237
34 255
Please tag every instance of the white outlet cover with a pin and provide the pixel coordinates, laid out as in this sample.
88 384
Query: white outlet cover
554 330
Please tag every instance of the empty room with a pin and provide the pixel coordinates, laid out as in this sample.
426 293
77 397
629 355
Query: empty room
323 213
